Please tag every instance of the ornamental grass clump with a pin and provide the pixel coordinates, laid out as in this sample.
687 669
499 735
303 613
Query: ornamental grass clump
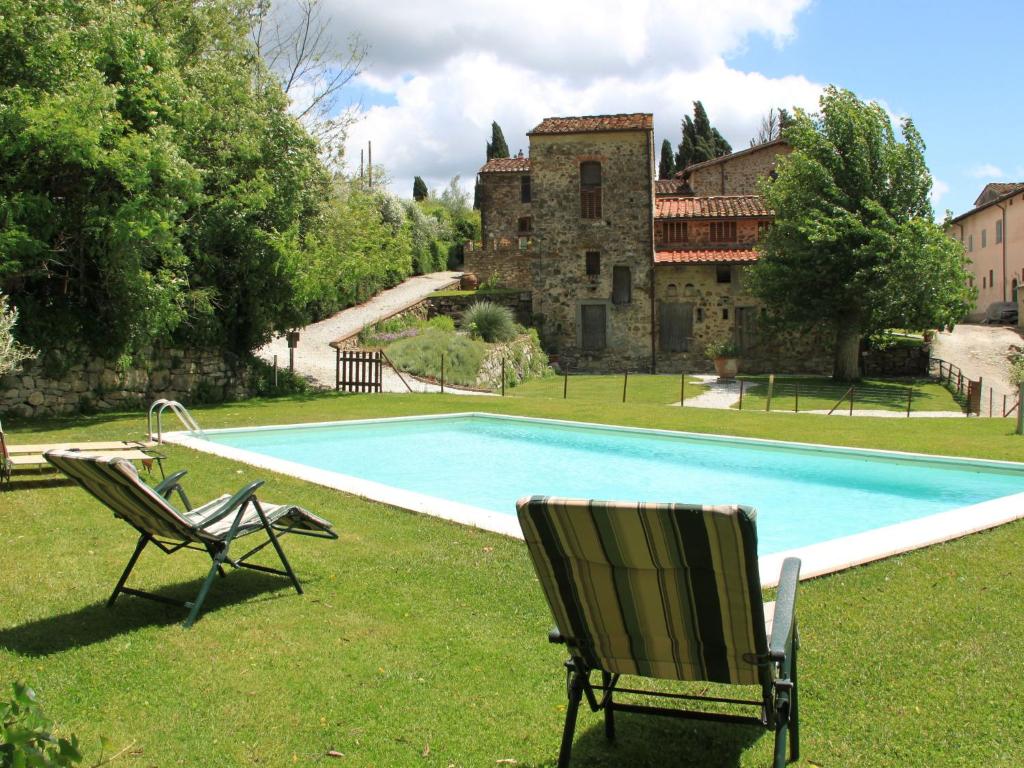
490 322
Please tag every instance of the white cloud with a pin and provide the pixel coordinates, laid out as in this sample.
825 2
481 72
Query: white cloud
453 69
987 171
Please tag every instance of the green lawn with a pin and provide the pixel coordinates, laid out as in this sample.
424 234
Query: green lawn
821 393
423 643
663 389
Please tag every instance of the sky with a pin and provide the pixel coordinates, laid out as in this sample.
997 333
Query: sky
437 74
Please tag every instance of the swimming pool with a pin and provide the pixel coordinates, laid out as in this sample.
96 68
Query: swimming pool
834 504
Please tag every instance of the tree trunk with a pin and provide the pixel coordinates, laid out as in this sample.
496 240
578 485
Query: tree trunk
847 360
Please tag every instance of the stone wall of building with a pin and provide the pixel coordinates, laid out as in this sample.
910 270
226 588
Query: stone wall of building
507 266
98 385
713 307
623 237
737 175
502 207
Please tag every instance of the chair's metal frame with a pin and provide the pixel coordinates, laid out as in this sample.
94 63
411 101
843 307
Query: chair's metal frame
216 547
779 709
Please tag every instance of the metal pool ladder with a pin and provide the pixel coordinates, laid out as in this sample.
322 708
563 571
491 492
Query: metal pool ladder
179 410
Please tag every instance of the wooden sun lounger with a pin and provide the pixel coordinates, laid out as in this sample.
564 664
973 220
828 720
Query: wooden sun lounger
29 455
110 446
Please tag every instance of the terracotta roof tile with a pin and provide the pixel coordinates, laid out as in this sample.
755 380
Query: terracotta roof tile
996 189
638 121
713 256
668 186
729 206
506 165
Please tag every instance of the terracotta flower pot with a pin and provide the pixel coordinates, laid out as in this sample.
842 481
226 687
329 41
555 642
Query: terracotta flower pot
727 367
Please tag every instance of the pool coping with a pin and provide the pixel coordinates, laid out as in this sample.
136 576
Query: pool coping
817 559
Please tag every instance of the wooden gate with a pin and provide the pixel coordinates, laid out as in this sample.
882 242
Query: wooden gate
974 397
358 371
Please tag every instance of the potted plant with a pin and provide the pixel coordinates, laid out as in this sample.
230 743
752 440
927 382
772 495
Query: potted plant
726 356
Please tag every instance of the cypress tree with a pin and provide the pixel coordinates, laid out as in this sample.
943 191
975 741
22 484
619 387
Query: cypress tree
419 189
496 147
701 141
667 164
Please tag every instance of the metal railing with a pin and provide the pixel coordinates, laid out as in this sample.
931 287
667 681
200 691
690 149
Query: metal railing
158 407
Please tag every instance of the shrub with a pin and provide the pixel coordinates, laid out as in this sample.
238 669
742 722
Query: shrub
26 736
1017 370
421 355
491 322
440 322
721 349
12 354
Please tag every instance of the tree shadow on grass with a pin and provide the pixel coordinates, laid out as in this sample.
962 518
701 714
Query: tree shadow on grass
651 742
96 623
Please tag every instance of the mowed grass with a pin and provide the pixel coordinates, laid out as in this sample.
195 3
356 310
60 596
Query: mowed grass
423 643
661 389
811 393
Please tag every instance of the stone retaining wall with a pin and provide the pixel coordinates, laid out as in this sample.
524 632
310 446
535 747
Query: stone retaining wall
98 385
896 361
521 305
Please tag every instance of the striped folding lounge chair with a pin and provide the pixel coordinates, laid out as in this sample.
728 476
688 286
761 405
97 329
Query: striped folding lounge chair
667 591
210 528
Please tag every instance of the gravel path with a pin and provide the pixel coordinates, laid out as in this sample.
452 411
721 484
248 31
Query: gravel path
981 351
720 393
315 360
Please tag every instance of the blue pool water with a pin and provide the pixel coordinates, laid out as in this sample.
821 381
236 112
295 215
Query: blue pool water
803 495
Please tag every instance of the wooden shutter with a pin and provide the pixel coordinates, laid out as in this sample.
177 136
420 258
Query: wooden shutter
675 326
622 285
592 321
747 337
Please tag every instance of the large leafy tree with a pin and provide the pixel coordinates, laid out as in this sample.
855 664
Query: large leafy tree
701 141
854 245
152 181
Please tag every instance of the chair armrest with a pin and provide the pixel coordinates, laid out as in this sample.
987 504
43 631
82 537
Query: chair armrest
171 484
784 618
235 502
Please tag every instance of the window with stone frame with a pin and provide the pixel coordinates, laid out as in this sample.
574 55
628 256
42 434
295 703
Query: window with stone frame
525 193
622 285
593 263
722 232
676 232
590 190
525 224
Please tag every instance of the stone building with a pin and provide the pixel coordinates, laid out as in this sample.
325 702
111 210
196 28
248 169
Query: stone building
627 272
993 236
